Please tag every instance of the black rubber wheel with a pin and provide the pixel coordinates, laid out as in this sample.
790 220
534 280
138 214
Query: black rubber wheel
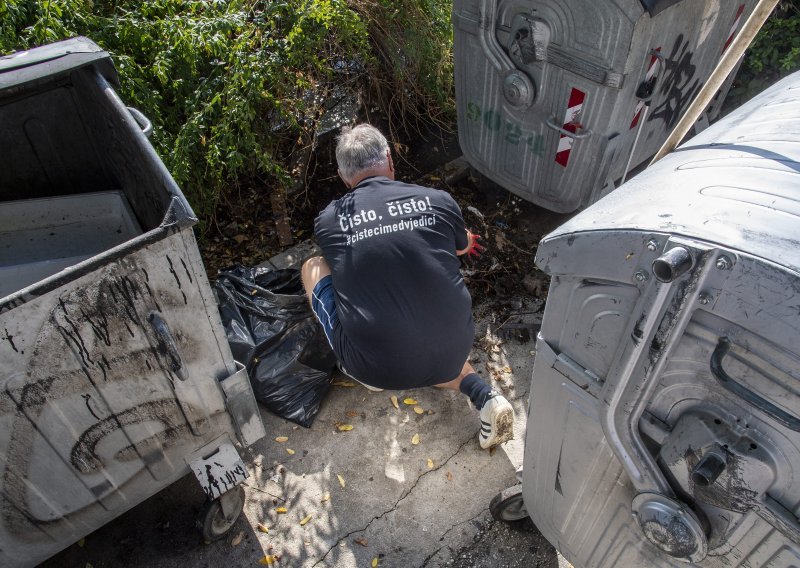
213 523
508 506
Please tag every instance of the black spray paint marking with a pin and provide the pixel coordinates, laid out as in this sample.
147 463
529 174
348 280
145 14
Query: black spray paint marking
99 326
177 279
677 85
10 339
87 398
74 336
188 274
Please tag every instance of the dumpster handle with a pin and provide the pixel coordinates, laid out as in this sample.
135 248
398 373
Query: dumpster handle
167 345
143 122
724 379
551 123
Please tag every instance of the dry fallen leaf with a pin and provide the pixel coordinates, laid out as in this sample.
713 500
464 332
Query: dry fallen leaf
415 439
345 427
341 480
449 476
282 439
492 450
430 463
374 562
269 560
290 451
262 528
352 413
394 401
237 540
280 510
341 383
419 410
409 401
305 520
361 541
325 498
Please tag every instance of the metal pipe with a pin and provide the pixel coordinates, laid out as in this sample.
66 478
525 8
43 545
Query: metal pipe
708 469
718 76
672 264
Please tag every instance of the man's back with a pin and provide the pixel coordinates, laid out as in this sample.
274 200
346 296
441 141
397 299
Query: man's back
403 306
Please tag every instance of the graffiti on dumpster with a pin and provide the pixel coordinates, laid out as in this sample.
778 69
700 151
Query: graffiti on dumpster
678 86
94 401
492 120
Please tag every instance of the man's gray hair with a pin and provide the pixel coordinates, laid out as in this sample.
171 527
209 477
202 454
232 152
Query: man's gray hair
360 148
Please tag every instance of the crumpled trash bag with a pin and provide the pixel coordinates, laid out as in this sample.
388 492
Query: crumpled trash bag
273 332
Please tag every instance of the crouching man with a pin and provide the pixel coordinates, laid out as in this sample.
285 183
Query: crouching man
388 290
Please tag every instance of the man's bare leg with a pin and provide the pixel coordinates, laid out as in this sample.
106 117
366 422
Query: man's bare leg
455 384
314 269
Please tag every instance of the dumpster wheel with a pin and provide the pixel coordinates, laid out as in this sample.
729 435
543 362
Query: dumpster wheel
508 505
213 522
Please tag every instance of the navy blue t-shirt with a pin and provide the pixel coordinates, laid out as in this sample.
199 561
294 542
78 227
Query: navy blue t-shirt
405 312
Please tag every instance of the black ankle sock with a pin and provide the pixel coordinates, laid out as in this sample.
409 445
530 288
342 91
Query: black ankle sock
477 390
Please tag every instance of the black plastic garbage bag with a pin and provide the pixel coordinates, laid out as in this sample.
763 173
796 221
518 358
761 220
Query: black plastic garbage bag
273 332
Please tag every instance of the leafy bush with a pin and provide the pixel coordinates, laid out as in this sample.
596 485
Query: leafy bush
775 52
235 88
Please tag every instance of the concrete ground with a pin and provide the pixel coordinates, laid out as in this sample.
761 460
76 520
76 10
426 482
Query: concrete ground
407 486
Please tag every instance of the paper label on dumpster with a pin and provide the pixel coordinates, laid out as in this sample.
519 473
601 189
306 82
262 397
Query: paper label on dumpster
219 472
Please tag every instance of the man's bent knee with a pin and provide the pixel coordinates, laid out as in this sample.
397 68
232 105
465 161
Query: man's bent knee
313 270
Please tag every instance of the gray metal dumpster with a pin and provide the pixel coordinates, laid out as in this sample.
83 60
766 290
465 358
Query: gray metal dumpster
664 421
556 97
115 375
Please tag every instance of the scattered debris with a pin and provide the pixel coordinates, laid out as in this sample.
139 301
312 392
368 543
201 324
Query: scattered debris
305 520
282 439
415 439
394 402
237 540
281 510
362 541
262 528
430 463
410 401
341 480
419 410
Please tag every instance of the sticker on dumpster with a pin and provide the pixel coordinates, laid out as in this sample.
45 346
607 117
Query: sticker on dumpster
219 472
734 27
571 123
651 69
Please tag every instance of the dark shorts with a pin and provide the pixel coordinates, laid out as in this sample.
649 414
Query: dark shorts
323 302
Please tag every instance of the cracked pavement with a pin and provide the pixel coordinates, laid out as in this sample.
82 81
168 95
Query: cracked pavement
370 492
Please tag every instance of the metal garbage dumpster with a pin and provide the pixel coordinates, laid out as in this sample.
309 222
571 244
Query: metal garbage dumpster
556 98
664 421
116 377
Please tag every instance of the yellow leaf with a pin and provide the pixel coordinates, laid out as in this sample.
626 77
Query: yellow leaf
282 439
305 520
237 539
325 498
419 410
409 401
262 528
415 439
341 480
449 476
374 562
290 451
345 427
394 402
269 560
430 463
280 510
351 413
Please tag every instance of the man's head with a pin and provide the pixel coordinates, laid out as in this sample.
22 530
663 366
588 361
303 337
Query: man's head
362 151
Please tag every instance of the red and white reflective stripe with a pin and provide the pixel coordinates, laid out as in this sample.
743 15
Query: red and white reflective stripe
571 123
734 27
651 69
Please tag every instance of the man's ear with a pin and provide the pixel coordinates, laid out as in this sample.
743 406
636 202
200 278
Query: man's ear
390 162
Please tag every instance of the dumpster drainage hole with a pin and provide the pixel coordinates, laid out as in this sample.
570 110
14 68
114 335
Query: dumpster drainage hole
717 421
725 446
753 447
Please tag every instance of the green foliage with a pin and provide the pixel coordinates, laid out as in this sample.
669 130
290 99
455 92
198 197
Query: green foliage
235 88
775 52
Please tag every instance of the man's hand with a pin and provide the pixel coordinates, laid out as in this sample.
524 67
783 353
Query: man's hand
473 248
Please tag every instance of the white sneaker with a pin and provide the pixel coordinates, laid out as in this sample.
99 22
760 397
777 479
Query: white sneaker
497 421
345 373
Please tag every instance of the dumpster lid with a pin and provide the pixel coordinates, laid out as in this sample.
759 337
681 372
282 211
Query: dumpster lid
736 184
53 60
